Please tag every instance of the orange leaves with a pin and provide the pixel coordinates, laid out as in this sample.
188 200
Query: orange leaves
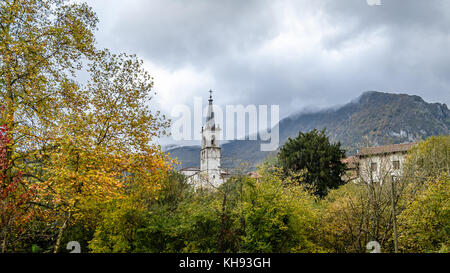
76 145
14 191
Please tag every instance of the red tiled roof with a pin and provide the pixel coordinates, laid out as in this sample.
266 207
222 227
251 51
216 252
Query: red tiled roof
386 149
350 161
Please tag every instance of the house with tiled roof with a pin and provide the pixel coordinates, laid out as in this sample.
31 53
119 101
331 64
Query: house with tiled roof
382 163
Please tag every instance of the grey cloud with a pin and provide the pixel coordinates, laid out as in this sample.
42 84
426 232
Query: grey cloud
222 36
195 32
431 14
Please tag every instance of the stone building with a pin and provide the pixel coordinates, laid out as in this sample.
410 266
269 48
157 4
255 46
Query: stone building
382 163
210 173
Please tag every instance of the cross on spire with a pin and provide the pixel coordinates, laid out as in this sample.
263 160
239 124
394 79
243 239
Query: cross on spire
210 117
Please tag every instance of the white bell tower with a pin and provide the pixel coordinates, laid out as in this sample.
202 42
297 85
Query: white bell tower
211 152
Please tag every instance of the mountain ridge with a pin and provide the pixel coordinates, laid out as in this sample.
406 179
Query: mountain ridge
373 118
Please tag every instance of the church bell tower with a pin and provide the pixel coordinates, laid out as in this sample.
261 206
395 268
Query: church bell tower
211 152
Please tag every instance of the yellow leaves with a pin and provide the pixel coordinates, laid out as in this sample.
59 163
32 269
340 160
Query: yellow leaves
98 175
423 225
81 145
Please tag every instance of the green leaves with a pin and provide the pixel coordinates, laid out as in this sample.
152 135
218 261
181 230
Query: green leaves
243 215
278 218
321 161
425 224
428 158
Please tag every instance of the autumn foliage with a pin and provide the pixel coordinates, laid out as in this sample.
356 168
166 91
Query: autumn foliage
69 146
80 161
14 195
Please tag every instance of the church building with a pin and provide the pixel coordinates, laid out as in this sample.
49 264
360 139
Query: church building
210 174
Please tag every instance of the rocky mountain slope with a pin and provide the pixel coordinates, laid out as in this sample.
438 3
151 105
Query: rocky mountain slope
374 118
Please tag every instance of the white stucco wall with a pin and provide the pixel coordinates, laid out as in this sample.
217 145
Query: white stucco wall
385 167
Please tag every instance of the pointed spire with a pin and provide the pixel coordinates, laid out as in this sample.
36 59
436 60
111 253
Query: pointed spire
210 123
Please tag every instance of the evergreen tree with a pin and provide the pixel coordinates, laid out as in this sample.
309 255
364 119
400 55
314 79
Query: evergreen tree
312 152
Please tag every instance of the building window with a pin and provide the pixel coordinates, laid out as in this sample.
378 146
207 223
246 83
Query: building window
373 167
396 164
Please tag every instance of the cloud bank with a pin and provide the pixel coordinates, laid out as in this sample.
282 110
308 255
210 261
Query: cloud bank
293 53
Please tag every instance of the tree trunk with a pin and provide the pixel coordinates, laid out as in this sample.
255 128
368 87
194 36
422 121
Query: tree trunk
222 226
5 237
61 232
394 216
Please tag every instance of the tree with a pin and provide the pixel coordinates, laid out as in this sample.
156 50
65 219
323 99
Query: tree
344 220
357 213
144 221
427 159
41 45
104 143
79 144
117 231
424 220
314 153
279 216
14 210
249 215
425 225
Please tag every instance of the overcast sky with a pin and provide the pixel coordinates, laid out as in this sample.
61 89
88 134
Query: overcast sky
298 54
